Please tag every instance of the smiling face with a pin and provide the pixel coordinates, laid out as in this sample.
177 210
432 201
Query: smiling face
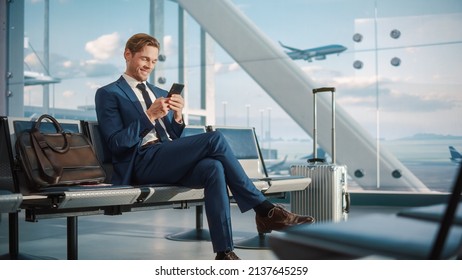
140 64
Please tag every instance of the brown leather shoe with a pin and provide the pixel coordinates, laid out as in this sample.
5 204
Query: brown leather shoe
279 219
228 256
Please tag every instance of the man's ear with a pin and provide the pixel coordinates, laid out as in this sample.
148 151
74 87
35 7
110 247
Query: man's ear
127 54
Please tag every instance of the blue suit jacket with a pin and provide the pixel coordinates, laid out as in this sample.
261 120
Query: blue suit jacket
123 124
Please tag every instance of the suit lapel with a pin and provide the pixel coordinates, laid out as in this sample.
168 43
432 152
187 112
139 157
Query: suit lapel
127 90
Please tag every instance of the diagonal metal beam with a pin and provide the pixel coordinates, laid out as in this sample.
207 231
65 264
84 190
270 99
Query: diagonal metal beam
291 88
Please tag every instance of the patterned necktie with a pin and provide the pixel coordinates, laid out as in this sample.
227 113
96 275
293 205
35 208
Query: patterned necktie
161 133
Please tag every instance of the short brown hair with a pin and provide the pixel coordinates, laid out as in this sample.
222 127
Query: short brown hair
138 41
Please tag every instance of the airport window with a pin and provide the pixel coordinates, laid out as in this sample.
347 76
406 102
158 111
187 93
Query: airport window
395 66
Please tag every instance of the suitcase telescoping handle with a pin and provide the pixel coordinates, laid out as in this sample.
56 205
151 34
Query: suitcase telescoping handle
315 131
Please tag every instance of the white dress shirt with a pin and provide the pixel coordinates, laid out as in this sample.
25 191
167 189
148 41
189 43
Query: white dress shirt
152 135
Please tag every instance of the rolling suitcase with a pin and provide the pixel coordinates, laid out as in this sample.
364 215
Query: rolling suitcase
326 198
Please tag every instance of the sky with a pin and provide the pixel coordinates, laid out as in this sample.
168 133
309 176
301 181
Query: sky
421 95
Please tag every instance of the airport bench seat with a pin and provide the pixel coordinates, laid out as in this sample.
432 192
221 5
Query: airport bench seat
66 197
9 200
244 144
108 199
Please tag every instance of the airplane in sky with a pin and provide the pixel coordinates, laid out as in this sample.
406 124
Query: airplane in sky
455 155
318 53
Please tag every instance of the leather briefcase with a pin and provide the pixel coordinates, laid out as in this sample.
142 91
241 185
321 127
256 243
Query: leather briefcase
57 159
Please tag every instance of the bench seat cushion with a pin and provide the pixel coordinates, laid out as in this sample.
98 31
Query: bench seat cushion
389 236
432 213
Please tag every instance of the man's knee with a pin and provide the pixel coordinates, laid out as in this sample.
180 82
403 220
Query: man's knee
212 171
216 135
210 165
217 141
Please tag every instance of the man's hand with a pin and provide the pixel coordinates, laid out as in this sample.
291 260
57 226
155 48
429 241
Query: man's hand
159 108
176 103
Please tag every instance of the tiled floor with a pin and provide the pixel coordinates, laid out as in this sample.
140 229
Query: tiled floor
134 236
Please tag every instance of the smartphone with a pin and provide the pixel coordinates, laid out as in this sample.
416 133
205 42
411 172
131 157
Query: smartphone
175 89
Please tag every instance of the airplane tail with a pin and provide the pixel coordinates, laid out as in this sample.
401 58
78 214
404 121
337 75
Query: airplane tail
455 155
289 48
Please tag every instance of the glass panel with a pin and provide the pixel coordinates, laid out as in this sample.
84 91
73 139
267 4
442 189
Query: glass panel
419 68
85 51
398 78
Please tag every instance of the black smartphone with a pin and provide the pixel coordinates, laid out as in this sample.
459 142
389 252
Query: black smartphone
175 89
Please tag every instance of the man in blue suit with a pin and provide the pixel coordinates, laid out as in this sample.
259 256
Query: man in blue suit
143 135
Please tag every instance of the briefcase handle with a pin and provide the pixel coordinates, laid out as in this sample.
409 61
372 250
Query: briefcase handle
35 131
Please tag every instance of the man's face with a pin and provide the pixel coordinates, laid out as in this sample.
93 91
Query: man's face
140 64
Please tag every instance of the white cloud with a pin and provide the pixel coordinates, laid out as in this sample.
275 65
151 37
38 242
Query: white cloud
233 67
225 68
217 67
168 46
68 64
32 60
104 47
352 82
68 93
93 86
95 68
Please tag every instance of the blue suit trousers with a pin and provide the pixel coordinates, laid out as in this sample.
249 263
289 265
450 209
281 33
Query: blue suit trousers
201 161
